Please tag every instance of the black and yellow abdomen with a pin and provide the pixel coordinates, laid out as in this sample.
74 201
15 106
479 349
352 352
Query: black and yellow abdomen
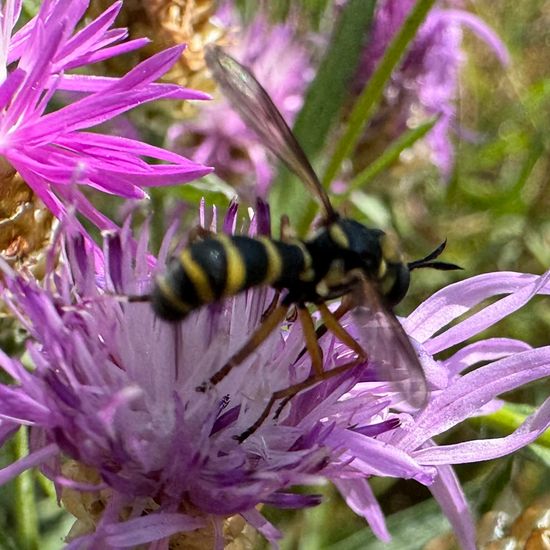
223 266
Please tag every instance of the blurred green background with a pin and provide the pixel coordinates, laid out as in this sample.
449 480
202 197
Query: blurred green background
494 214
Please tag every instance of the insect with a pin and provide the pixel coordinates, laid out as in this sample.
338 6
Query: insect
343 259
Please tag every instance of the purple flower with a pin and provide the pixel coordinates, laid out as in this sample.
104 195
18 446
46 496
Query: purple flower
49 146
426 83
112 406
217 136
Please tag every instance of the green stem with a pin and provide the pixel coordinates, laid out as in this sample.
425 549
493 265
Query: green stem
389 156
324 99
26 518
371 95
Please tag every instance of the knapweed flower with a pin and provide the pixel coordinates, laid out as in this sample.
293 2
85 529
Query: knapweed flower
47 144
142 458
169 23
217 136
426 83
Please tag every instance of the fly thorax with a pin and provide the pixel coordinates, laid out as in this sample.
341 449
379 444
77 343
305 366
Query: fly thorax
337 277
307 274
358 244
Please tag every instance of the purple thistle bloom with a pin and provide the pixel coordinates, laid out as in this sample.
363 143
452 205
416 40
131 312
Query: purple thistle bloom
112 406
50 148
426 83
218 137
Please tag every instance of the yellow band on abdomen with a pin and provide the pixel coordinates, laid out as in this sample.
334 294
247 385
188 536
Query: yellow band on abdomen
236 269
274 261
197 276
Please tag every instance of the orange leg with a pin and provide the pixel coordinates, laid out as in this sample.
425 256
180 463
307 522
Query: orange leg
288 393
271 307
272 321
312 344
331 322
322 329
317 373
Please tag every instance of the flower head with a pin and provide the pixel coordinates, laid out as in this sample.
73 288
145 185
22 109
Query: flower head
426 84
49 146
218 137
114 411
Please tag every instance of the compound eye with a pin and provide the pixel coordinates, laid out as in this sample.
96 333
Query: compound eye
400 285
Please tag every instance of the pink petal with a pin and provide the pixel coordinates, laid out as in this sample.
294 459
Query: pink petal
447 491
360 498
488 449
454 300
374 457
149 528
31 460
475 389
484 350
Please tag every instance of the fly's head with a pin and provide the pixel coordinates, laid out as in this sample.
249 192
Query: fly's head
374 255
377 256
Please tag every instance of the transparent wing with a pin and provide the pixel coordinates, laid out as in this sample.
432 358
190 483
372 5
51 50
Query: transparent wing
258 111
387 345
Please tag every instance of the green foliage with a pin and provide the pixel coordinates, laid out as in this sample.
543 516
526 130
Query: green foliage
389 156
367 102
323 102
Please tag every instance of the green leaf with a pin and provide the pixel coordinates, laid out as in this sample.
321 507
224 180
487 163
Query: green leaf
323 102
329 89
372 208
542 453
315 10
30 8
211 188
368 100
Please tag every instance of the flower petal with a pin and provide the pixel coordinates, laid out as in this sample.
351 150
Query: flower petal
31 460
149 528
482 351
456 299
373 457
450 496
488 449
470 392
360 498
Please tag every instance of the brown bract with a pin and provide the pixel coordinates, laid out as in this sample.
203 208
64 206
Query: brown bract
88 507
25 223
168 23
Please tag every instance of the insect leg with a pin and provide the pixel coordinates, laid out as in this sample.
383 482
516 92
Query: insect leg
292 315
343 308
288 393
273 320
332 324
312 345
271 307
